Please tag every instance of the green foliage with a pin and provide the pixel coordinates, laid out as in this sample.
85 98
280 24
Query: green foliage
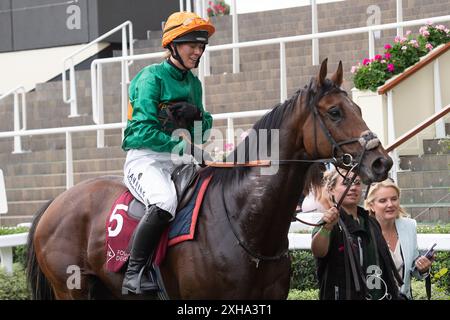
312 294
406 51
303 275
19 254
440 270
12 230
438 228
14 286
419 292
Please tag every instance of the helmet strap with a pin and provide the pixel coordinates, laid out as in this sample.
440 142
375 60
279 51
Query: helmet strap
177 56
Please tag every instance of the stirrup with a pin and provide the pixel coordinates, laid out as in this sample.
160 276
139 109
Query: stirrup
152 287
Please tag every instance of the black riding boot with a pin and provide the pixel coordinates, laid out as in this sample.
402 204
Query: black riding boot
146 238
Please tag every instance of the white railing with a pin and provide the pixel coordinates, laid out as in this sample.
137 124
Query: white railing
73 89
96 80
282 42
296 241
200 8
68 132
7 242
3 200
424 241
120 125
16 92
97 89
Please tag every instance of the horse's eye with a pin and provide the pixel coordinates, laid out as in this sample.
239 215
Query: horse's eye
335 113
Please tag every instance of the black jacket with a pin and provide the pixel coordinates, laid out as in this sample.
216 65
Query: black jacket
341 273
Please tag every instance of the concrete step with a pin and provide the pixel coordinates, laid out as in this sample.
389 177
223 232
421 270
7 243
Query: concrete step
58 141
419 196
53 180
423 179
436 146
55 167
60 155
17 195
8 220
425 162
435 213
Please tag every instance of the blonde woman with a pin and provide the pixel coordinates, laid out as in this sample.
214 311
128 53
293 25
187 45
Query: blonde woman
399 231
353 260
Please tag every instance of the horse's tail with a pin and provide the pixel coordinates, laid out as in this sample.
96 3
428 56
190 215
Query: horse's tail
40 286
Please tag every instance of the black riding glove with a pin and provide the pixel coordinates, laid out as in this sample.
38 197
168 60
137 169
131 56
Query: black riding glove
186 111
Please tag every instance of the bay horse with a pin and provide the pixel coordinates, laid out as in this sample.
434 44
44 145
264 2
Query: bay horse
240 250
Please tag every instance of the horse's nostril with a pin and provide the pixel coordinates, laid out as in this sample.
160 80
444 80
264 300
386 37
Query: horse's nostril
381 165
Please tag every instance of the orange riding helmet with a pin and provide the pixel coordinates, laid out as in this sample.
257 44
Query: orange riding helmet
182 23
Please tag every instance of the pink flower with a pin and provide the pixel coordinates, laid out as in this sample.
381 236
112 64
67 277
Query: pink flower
387 55
378 57
354 69
229 146
408 33
414 43
366 61
390 67
429 46
387 46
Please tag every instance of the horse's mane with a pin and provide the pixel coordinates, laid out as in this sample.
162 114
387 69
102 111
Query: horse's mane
273 120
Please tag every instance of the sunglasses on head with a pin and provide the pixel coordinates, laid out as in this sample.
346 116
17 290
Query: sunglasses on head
348 181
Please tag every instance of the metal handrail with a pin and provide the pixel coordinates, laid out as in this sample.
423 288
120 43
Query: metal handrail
97 101
20 90
419 128
101 127
73 90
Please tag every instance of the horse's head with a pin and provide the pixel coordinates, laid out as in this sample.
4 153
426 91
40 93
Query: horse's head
334 128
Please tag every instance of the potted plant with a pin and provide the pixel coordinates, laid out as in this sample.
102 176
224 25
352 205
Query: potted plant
373 72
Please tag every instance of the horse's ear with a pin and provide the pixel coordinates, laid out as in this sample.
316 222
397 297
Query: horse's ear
322 73
338 76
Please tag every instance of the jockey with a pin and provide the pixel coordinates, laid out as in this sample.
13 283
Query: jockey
161 97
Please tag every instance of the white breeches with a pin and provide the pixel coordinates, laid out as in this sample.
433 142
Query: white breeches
147 174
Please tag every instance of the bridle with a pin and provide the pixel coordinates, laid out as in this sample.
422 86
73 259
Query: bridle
368 141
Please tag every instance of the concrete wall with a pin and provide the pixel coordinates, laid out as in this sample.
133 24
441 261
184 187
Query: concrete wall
33 24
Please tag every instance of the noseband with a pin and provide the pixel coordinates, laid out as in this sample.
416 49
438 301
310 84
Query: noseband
368 140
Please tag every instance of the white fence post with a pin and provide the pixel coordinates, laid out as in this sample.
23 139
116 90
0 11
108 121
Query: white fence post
314 29
440 126
69 160
399 17
391 134
3 200
283 80
235 31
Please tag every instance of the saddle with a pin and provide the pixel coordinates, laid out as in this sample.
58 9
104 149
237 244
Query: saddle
184 178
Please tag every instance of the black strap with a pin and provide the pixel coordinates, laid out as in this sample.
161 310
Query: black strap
428 286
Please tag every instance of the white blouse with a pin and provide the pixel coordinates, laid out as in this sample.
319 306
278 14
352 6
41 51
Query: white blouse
398 259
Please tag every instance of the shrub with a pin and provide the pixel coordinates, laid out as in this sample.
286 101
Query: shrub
406 51
14 286
12 230
312 294
304 276
419 292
